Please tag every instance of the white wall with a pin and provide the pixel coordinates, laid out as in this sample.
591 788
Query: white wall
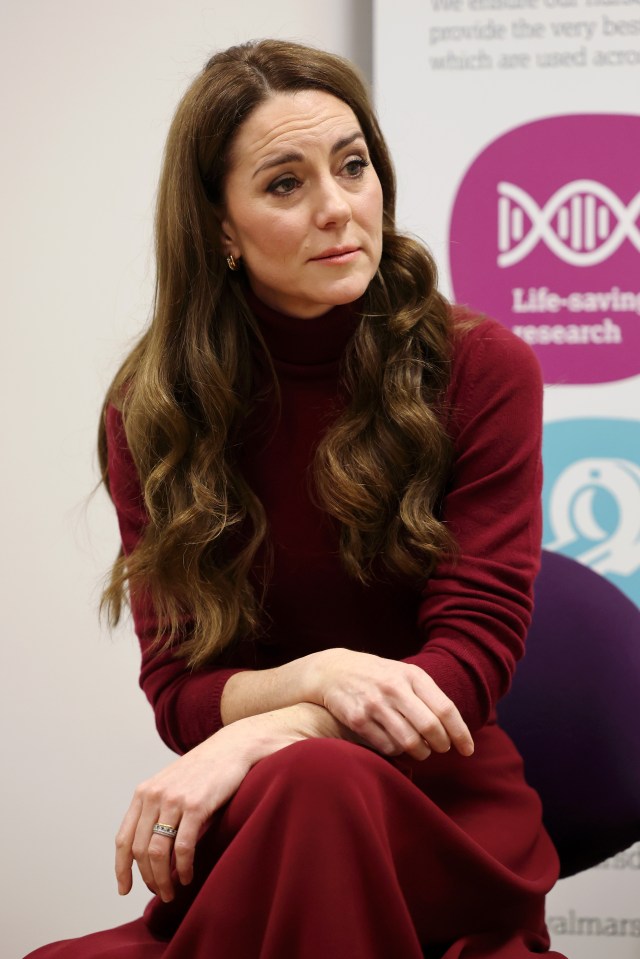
88 91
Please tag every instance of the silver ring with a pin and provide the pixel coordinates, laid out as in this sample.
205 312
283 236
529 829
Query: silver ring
161 829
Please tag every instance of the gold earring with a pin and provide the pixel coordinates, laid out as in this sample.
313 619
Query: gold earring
231 263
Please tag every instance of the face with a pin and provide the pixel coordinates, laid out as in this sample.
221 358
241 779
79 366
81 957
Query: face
303 204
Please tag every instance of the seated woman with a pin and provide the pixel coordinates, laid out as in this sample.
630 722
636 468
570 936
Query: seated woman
327 482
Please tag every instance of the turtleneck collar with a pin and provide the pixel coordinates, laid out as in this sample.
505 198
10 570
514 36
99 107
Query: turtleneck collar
307 342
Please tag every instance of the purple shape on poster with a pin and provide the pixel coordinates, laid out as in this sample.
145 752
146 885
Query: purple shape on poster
545 237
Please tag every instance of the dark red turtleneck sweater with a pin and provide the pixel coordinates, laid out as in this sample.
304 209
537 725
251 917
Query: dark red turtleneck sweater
467 626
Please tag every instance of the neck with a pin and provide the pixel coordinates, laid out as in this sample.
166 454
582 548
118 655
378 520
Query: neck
309 341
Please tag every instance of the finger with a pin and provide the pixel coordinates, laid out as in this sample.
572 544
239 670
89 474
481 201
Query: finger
378 738
410 740
359 718
189 831
446 711
141 840
409 721
124 843
427 726
159 852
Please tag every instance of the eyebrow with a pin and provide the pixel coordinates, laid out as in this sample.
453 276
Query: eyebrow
294 157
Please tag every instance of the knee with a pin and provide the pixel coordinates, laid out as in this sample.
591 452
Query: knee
313 787
322 767
317 760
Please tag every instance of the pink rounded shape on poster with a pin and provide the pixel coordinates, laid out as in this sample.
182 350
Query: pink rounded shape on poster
545 237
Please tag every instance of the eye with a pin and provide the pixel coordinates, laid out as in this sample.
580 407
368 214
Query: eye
355 167
283 186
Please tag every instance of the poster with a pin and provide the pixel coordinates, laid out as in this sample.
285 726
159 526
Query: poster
515 130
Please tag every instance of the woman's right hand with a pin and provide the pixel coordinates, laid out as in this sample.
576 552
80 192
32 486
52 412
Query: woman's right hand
393 706
186 793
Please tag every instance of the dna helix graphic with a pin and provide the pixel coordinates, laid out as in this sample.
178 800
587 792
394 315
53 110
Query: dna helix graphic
583 223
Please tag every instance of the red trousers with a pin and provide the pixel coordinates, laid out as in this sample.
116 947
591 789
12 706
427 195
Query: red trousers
329 850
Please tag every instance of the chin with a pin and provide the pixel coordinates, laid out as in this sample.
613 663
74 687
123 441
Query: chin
347 291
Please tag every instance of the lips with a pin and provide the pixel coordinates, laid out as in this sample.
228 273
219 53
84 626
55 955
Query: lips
336 252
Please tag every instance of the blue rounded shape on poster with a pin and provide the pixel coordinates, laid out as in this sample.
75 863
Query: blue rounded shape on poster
591 496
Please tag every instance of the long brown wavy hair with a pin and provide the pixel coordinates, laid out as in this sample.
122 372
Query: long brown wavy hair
187 387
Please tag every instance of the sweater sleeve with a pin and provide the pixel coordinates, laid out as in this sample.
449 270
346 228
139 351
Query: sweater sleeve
476 608
186 703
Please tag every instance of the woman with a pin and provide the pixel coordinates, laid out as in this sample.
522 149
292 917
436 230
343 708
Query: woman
327 484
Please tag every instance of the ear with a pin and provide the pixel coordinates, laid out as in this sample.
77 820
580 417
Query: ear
228 235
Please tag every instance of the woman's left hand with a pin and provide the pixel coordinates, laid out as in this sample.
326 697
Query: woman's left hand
393 706
187 793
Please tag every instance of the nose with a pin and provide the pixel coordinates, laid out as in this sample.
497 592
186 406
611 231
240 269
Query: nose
332 204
